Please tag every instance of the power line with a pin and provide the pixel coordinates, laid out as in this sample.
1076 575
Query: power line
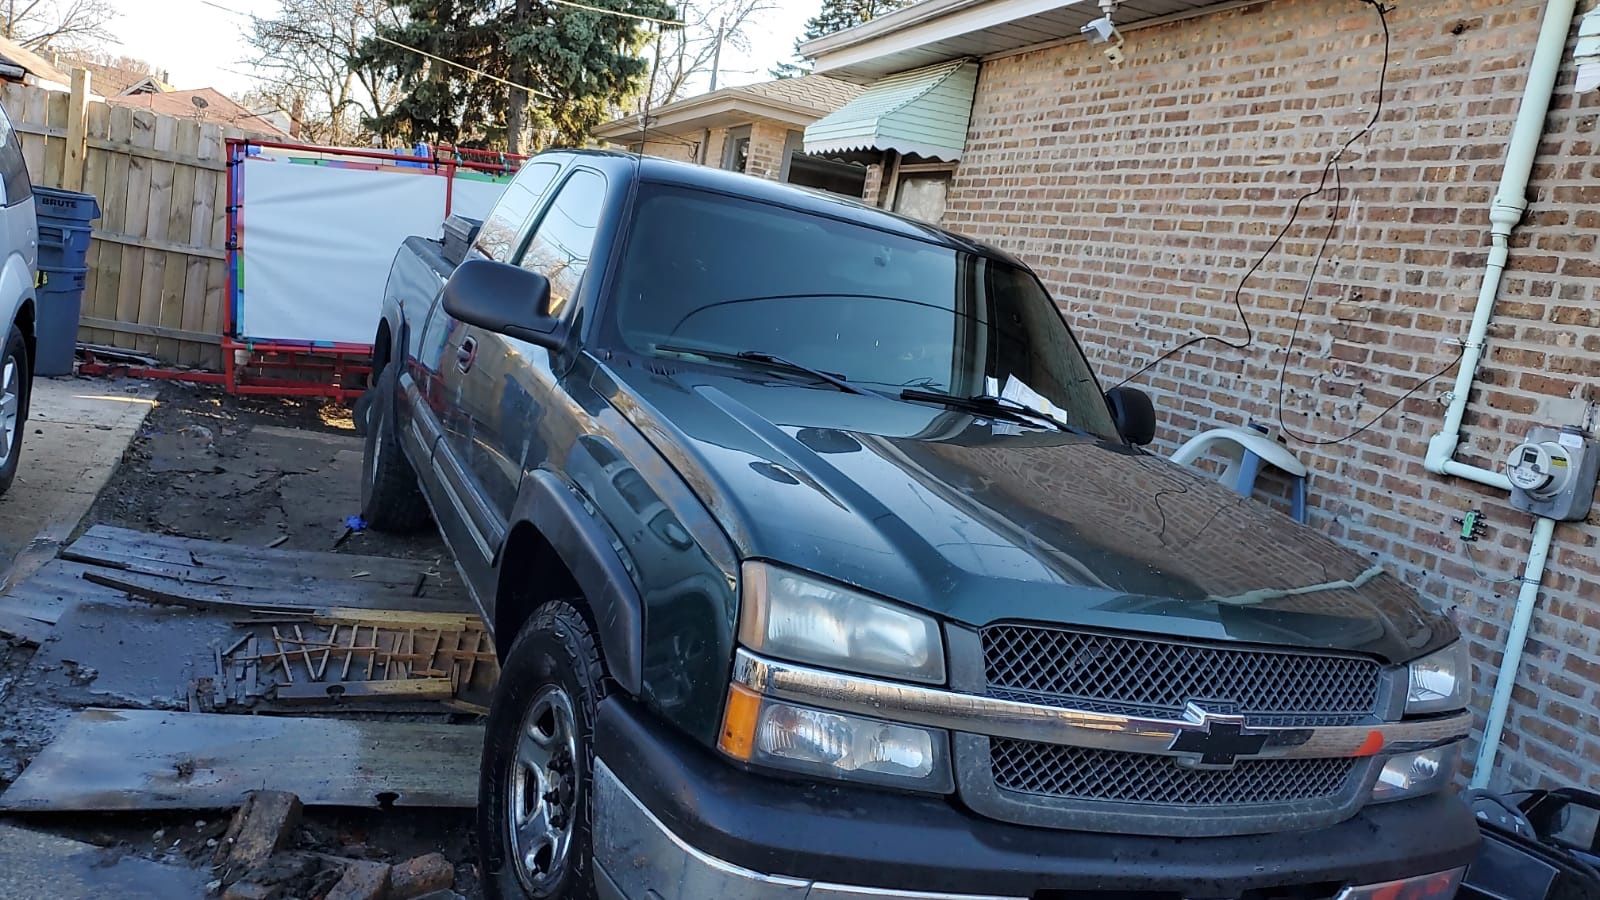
674 23
479 72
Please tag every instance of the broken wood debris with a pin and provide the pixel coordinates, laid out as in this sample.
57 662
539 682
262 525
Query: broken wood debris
261 826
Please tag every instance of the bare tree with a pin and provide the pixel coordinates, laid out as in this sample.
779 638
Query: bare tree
710 29
56 24
309 57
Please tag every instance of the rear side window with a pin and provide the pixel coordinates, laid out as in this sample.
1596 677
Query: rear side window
13 170
498 237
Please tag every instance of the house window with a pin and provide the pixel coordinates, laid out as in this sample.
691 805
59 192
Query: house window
921 192
736 149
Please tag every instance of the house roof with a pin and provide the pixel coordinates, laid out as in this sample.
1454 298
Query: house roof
108 81
212 106
923 112
934 31
17 55
794 101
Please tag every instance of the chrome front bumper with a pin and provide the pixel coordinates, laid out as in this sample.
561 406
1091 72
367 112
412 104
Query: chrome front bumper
636 857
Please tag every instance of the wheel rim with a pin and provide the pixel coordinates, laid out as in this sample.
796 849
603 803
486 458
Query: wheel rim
10 406
541 796
377 452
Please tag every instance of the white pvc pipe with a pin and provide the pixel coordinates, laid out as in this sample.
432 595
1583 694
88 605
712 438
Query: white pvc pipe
1505 211
1543 530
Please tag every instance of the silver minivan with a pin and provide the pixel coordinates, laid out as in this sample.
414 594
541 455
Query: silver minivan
19 245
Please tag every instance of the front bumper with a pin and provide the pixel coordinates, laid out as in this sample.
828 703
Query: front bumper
674 819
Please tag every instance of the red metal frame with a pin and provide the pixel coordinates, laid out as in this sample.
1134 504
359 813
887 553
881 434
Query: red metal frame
342 367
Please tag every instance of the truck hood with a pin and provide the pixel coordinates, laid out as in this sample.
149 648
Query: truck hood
978 520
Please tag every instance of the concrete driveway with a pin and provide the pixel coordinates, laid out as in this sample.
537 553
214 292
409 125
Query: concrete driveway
77 432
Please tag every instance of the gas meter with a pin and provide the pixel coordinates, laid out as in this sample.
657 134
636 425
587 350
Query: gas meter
1553 474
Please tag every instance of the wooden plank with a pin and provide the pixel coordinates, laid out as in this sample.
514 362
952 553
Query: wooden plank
25 629
94 182
201 225
134 240
29 107
75 152
250 601
136 204
146 153
176 334
179 218
147 760
102 304
407 690
117 542
55 152
157 216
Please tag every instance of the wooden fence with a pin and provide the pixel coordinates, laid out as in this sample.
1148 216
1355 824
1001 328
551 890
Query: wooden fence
158 262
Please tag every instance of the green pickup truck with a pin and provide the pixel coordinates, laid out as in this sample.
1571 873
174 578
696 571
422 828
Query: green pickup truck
821 566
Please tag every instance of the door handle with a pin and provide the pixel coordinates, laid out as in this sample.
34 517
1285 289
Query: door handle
467 354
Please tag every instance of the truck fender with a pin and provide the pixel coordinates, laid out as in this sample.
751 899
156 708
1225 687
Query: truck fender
586 547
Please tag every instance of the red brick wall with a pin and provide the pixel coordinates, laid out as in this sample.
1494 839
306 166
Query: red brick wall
1142 193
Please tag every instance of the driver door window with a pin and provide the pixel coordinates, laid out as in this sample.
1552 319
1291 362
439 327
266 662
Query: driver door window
560 247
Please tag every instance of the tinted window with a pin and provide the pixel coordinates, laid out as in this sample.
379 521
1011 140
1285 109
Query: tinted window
13 170
560 247
498 237
887 312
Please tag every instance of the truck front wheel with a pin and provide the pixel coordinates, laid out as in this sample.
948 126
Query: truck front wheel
534 797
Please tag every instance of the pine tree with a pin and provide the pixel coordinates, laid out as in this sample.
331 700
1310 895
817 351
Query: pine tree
580 64
836 15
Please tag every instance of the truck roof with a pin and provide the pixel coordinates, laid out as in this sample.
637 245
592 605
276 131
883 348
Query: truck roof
656 170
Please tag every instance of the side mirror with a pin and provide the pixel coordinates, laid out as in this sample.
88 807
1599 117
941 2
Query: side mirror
1134 414
505 299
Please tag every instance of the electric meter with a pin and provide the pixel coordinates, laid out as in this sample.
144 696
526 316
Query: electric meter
1553 474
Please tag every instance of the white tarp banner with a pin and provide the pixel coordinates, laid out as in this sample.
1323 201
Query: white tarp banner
318 241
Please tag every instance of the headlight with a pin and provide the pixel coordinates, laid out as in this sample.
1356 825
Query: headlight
834 745
1439 682
807 620
1414 774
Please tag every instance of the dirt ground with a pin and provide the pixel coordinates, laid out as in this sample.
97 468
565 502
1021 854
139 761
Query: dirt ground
263 473
250 471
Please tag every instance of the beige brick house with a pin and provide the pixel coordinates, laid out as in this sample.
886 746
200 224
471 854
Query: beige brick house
1144 191
755 128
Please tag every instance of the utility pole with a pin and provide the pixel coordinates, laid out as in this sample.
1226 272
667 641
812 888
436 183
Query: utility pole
716 52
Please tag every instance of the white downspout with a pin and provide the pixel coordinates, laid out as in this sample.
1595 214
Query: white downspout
1505 212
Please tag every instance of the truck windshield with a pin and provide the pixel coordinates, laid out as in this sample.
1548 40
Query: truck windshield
882 311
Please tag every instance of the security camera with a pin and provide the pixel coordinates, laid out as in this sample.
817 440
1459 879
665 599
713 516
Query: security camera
1101 31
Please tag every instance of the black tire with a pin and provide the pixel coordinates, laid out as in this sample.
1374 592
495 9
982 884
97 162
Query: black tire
361 410
555 651
15 356
391 499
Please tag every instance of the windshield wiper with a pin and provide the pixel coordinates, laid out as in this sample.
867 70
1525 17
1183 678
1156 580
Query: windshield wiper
987 404
766 359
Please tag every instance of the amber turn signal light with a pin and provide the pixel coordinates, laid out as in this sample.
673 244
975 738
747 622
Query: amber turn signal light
739 722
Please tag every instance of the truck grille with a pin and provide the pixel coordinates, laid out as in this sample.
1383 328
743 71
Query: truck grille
1085 773
1161 678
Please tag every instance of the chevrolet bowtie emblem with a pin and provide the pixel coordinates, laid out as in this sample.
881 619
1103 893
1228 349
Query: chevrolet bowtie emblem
1218 743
